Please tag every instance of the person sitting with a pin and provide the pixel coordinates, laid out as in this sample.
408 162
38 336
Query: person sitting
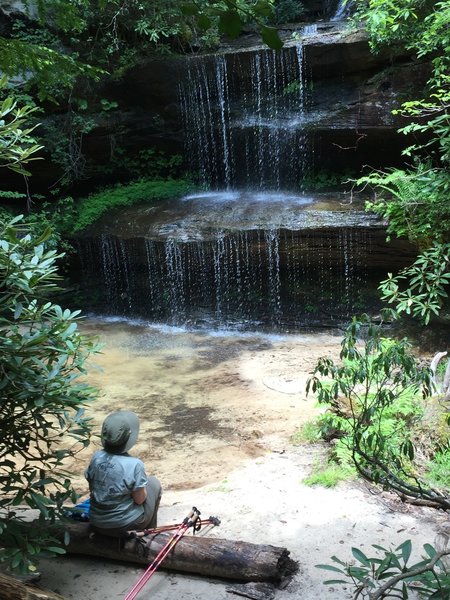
122 497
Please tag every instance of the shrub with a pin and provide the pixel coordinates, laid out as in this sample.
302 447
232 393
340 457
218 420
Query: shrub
288 11
42 357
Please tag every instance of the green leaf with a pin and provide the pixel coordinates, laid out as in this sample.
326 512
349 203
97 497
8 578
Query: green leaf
405 549
230 23
263 8
271 38
430 550
204 22
329 568
56 550
359 555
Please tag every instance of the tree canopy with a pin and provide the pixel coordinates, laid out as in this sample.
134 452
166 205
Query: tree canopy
54 42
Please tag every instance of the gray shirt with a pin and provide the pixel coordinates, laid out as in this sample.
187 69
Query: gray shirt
112 478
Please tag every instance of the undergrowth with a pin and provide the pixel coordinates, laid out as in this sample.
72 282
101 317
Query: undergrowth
90 209
438 469
329 474
427 429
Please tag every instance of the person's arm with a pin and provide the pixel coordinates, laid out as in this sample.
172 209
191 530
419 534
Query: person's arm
139 495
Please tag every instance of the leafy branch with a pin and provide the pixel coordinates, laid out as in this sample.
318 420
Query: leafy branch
426 281
17 147
429 577
230 14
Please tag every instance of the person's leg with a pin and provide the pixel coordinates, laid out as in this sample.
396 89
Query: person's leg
151 504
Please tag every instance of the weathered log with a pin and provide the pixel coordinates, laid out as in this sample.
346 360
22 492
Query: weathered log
214 557
12 589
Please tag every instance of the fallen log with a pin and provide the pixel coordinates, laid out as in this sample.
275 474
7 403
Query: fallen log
214 557
13 589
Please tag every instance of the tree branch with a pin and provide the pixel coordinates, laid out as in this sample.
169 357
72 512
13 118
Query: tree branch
379 594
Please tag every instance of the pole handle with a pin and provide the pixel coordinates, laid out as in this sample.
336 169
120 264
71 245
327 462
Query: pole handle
192 517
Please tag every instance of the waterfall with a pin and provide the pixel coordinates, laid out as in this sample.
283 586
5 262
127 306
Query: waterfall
243 117
343 10
257 251
277 278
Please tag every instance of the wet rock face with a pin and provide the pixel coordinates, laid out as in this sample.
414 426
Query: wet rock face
351 95
274 279
232 259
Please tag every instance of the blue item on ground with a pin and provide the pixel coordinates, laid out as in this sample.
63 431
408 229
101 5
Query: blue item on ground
80 512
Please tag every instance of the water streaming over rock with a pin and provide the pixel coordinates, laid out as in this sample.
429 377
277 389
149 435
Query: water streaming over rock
343 10
237 260
278 278
243 118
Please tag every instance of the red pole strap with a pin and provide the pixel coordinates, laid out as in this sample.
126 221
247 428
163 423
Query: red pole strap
189 521
163 528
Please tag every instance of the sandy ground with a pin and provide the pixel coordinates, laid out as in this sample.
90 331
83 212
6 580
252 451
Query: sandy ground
217 415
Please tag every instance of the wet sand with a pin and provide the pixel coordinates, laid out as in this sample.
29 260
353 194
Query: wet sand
207 401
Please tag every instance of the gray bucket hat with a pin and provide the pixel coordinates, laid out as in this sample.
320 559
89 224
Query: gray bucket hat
120 431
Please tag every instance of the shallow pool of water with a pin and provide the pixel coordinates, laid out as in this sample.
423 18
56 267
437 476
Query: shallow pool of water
207 400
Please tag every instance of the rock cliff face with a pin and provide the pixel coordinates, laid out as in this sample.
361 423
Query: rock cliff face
237 259
351 94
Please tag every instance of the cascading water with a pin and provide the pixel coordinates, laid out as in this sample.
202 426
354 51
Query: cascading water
243 119
236 260
343 10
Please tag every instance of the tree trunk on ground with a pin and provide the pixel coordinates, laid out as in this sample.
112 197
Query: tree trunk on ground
12 589
214 557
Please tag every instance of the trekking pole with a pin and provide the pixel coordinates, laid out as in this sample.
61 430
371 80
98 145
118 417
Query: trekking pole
188 522
163 528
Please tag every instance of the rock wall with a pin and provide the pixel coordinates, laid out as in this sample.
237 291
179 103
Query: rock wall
236 260
353 95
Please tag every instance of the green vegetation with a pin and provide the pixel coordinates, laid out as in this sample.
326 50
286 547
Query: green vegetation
42 357
329 475
17 146
307 434
426 279
384 419
415 199
322 180
59 42
390 574
375 409
89 209
288 11
438 470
